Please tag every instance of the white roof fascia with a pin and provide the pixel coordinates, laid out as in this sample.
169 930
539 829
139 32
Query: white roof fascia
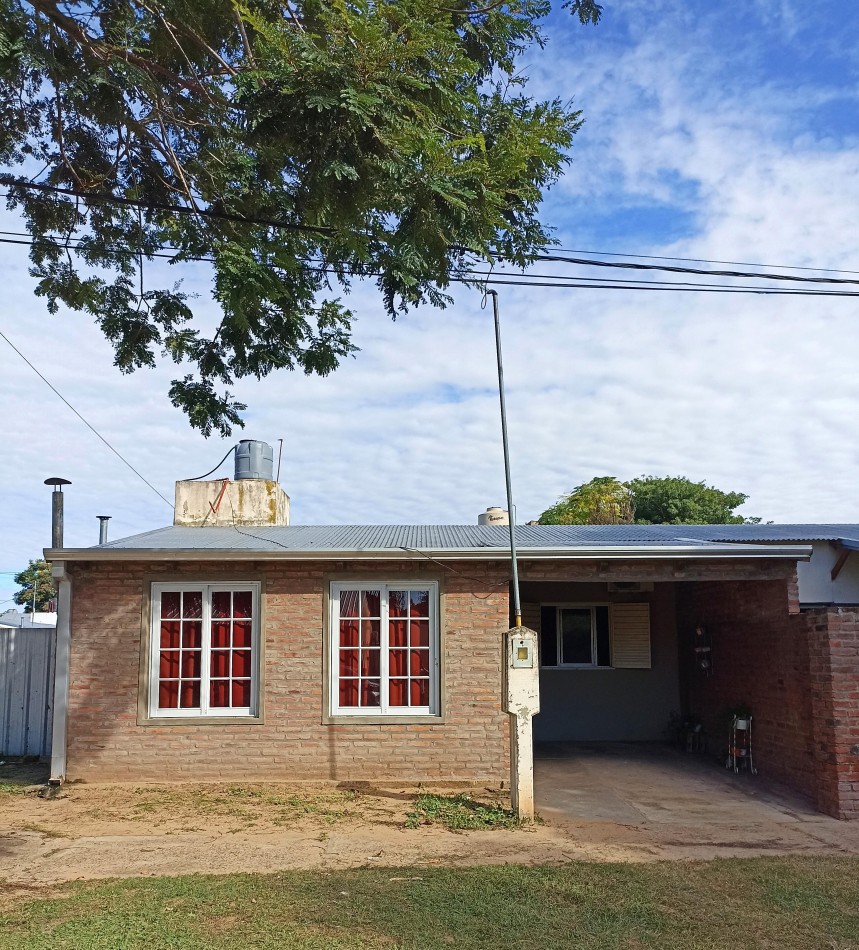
735 551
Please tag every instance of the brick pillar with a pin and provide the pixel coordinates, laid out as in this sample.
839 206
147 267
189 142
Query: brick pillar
833 640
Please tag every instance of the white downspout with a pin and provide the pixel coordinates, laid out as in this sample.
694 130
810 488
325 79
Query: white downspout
61 671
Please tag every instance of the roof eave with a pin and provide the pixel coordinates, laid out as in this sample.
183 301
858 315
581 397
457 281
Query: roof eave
742 552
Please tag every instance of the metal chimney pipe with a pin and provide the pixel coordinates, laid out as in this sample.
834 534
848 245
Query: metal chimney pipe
57 510
102 528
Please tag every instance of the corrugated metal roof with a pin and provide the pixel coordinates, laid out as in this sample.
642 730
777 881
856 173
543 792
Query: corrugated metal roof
354 538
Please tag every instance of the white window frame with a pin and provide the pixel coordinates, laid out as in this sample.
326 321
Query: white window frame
593 665
204 711
384 709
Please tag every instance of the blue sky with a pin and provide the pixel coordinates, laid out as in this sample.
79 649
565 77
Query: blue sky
712 131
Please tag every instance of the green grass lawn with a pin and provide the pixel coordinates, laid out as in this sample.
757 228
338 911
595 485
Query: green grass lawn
779 903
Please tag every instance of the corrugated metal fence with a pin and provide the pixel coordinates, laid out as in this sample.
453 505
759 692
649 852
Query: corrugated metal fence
26 690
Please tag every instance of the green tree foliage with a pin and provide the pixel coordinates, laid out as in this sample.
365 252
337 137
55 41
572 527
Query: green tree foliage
646 500
681 501
602 500
295 144
38 574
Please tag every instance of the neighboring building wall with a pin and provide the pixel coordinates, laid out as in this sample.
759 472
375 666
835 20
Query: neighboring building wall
107 743
607 704
815 576
833 636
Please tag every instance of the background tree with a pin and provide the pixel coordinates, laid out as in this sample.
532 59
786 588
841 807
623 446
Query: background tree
294 144
602 500
681 501
646 500
38 574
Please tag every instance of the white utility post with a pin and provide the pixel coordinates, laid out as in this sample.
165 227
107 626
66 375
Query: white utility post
522 701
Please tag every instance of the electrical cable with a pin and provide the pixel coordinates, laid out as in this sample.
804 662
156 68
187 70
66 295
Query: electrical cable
558 281
84 421
10 181
703 260
232 448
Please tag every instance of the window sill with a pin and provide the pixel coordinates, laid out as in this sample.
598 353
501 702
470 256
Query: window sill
382 720
200 720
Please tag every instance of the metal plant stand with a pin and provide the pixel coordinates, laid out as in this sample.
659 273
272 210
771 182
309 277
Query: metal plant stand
740 745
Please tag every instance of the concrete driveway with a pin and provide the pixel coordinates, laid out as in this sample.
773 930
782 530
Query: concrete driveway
659 802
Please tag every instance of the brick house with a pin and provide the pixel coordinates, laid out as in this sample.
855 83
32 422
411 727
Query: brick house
233 647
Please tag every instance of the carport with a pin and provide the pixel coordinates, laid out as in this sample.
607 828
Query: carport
656 801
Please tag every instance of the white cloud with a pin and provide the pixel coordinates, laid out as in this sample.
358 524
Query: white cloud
750 393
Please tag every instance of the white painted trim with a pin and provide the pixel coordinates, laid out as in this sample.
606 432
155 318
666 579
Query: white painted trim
205 711
737 551
384 710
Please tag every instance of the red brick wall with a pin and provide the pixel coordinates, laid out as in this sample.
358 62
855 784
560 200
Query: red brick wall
833 636
105 741
799 673
759 659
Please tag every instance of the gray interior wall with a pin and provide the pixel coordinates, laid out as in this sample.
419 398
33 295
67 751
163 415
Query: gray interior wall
607 704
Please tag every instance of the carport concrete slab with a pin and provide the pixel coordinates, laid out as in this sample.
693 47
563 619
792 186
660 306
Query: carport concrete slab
668 803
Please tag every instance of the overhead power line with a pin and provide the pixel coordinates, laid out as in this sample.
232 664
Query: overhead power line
84 421
527 279
704 260
10 181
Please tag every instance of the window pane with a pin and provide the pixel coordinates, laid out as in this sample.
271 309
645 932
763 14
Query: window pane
241 633
169 667
192 603
370 662
192 633
397 663
220 663
398 603
369 633
419 633
219 693
171 604
370 693
190 664
420 692
220 633
398 634
576 635
241 693
189 694
398 693
348 693
349 603
348 633
370 603
170 634
242 663
419 603
221 603
242 603
348 662
168 694
420 663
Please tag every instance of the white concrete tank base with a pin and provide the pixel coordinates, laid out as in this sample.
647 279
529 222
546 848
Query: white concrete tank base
494 516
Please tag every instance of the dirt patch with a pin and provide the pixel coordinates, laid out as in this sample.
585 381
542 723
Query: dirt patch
134 830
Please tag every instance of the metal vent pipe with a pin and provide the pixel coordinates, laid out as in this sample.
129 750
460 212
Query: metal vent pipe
57 510
102 528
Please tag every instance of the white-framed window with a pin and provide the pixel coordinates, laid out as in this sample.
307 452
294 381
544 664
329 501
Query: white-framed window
384 649
594 636
204 650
